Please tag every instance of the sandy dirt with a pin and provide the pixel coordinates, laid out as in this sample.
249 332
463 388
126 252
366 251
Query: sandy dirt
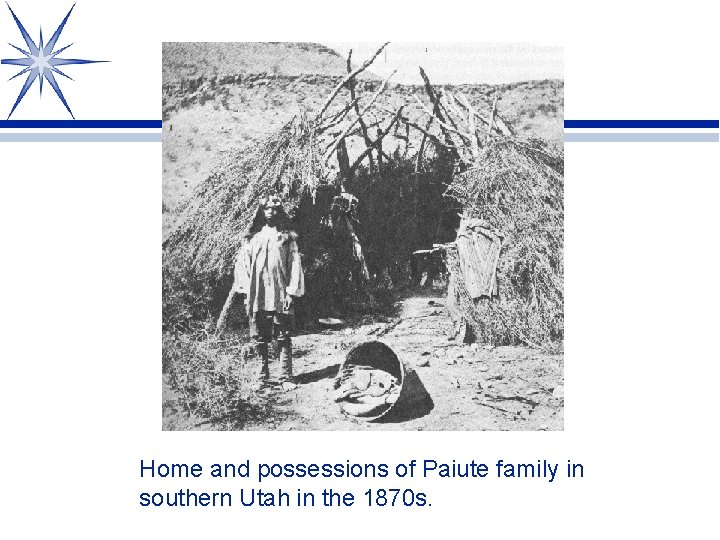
472 387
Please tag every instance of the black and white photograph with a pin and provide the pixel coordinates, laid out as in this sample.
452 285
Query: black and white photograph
362 236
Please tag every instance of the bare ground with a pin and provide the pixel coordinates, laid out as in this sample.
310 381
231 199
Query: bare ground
472 387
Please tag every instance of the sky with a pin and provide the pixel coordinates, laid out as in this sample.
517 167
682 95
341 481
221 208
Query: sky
458 63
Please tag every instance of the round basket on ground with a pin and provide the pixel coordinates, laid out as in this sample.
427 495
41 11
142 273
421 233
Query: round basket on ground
370 362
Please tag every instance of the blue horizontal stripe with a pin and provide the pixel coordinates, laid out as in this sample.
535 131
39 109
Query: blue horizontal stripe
641 137
44 124
80 137
676 124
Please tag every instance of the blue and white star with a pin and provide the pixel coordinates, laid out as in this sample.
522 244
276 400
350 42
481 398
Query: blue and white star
41 62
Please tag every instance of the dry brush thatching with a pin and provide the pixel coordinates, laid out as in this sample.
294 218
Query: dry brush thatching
518 188
211 223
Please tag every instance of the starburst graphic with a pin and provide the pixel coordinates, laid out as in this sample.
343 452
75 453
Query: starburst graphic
41 62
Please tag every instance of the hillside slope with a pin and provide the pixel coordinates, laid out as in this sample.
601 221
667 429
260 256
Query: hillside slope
192 60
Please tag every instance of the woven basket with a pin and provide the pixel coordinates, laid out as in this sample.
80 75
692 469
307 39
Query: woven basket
413 400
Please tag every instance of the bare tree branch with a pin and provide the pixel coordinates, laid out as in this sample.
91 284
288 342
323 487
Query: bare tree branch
449 99
465 102
492 117
500 126
504 128
376 142
347 130
363 127
342 83
474 139
429 135
436 105
446 112
337 118
451 148
464 136
222 319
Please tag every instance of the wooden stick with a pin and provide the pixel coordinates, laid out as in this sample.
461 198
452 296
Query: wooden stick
504 128
475 143
377 141
445 110
345 80
363 127
418 160
492 117
347 130
437 112
407 139
464 136
341 113
500 126
452 103
465 102
353 132
431 94
475 136
473 114
222 319
449 99
337 118
429 135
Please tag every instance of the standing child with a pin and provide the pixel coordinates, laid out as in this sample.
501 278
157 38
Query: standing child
268 273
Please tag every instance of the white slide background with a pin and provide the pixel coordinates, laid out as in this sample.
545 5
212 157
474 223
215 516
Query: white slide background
80 230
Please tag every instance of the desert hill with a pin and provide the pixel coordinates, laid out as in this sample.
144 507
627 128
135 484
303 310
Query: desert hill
183 61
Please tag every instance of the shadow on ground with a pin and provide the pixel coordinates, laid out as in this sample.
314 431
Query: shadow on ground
328 372
415 401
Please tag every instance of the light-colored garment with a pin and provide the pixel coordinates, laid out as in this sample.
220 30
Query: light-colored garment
479 252
268 269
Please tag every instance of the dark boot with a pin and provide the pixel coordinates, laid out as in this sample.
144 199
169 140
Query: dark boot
262 352
286 360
